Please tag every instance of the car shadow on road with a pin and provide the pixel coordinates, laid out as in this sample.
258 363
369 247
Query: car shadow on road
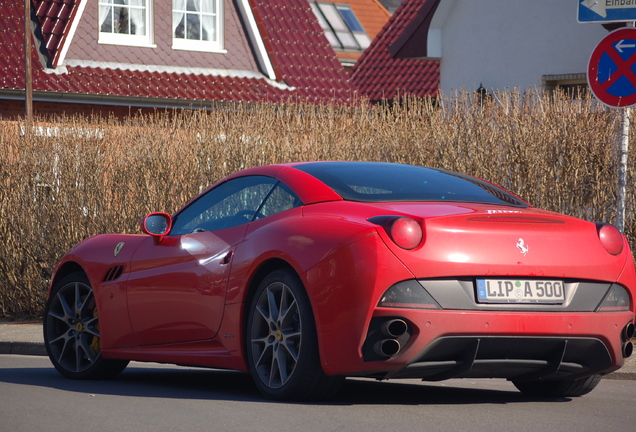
207 384
413 392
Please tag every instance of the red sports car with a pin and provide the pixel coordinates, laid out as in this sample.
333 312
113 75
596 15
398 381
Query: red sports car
306 273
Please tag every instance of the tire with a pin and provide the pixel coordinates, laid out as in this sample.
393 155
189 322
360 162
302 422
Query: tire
562 388
71 331
282 348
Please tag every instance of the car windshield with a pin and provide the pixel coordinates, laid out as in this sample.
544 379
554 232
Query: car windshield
382 182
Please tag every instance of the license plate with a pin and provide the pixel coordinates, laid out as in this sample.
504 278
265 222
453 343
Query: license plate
520 291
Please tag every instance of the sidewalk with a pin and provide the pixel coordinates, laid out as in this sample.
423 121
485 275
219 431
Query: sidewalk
22 338
27 339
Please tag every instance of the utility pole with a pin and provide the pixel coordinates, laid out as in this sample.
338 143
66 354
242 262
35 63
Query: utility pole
28 85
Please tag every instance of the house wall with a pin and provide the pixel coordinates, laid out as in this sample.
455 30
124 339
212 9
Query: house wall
239 56
511 44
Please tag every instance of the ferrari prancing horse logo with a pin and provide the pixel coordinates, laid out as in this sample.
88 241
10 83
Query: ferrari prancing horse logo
522 246
118 248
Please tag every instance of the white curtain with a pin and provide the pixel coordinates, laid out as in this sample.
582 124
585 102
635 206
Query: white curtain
104 12
178 14
138 16
208 21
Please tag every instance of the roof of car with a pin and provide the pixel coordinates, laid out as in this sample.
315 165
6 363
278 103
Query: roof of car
392 182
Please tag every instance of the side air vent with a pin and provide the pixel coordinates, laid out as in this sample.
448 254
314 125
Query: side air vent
113 273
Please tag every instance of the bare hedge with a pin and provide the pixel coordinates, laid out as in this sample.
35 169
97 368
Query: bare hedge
69 178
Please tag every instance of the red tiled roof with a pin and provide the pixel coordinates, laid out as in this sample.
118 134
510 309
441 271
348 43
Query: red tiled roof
302 62
298 49
380 75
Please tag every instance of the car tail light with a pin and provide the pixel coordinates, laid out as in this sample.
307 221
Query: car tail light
404 231
611 238
616 300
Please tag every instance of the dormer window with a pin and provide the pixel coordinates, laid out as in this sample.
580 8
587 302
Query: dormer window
197 25
126 22
341 26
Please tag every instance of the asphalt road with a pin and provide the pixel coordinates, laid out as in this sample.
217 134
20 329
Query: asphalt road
152 397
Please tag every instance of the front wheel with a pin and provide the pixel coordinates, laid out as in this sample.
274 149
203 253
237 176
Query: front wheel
282 346
71 331
558 388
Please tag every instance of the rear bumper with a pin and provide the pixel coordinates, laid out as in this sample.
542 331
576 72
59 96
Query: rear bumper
518 358
443 344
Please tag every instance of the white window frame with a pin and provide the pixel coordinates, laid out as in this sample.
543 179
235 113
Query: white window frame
215 46
140 40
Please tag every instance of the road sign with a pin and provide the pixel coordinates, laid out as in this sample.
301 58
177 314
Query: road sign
598 11
611 73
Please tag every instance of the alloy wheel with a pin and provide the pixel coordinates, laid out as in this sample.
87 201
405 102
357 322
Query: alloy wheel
275 335
72 330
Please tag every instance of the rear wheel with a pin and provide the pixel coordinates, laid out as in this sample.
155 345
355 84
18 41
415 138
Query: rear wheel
559 388
71 331
282 347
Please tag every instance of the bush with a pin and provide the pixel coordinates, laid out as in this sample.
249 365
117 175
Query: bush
69 178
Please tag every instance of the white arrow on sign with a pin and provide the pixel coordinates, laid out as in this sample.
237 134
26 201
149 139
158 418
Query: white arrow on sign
600 6
620 45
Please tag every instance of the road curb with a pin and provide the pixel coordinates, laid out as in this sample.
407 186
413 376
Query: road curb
23 348
618 375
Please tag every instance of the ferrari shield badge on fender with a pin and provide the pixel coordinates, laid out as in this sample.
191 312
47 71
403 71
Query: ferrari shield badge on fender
522 246
118 248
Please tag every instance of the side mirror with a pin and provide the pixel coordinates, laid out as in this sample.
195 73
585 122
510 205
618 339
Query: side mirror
156 224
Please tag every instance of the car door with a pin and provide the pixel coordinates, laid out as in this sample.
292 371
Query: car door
177 286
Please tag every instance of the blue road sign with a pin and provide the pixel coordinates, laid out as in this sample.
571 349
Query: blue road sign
599 11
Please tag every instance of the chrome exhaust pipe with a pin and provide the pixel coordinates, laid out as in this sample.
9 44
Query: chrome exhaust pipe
628 349
394 328
387 347
628 332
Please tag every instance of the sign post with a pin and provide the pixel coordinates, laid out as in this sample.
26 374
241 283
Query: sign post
611 77
622 171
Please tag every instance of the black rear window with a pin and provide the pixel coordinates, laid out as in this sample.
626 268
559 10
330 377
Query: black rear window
382 182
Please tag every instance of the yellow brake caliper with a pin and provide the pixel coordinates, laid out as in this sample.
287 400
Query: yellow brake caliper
95 341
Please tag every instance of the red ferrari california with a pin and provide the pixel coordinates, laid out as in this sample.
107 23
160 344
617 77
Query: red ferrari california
306 273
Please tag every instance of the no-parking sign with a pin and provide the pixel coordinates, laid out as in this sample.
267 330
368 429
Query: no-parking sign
611 73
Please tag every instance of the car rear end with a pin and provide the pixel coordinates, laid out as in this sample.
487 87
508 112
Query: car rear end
508 293
464 279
